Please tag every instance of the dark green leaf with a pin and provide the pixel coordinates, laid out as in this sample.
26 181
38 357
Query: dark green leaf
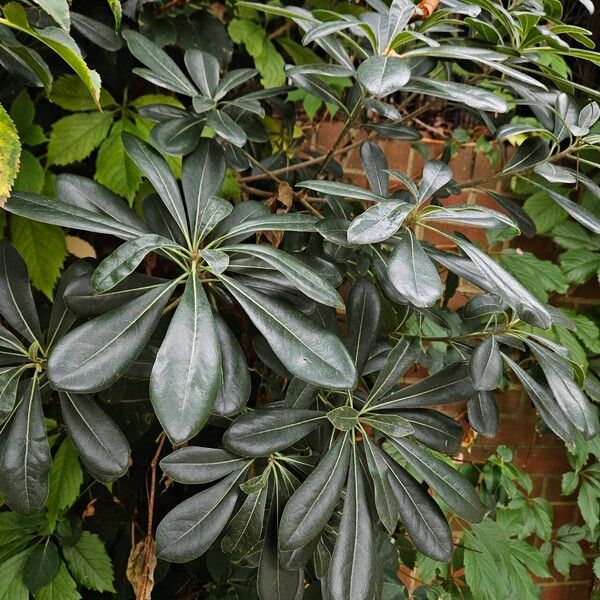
343 418
26 457
352 566
101 446
97 353
385 500
159 62
391 425
362 317
41 566
405 353
312 504
16 301
485 365
436 175
452 487
245 528
193 464
9 384
532 151
483 414
379 222
187 372
204 70
202 175
179 135
507 287
300 394
434 429
307 350
383 75
306 279
158 172
451 384
375 166
190 528
125 259
235 386
423 519
413 273
268 430
81 300
275 582
222 124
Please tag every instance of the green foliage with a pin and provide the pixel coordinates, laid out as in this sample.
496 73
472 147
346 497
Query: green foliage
229 246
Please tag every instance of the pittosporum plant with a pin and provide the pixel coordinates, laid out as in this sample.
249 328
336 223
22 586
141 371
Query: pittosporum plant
305 487
24 355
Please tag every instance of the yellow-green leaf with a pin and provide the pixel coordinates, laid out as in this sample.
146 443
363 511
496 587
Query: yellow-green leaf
43 248
10 150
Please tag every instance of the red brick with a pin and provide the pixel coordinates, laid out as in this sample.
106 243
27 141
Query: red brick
563 513
566 591
543 460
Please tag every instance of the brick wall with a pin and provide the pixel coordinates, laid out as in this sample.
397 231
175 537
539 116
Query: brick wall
543 457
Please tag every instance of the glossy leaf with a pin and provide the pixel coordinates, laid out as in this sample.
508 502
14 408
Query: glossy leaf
436 175
235 386
194 465
483 414
352 565
422 518
187 372
383 75
204 70
101 446
451 384
222 124
306 279
245 527
26 458
16 301
403 355
362 316
191 527
485 365
312 504
452 487
267 430
307 350
434 429
202 175
97 353
375 165
379 222
158 172
125 259
385 501
413 273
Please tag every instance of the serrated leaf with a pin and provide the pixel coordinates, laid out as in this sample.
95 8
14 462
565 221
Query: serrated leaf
10 150
44 249
62 587
73 138
89 563
42 565
65 479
